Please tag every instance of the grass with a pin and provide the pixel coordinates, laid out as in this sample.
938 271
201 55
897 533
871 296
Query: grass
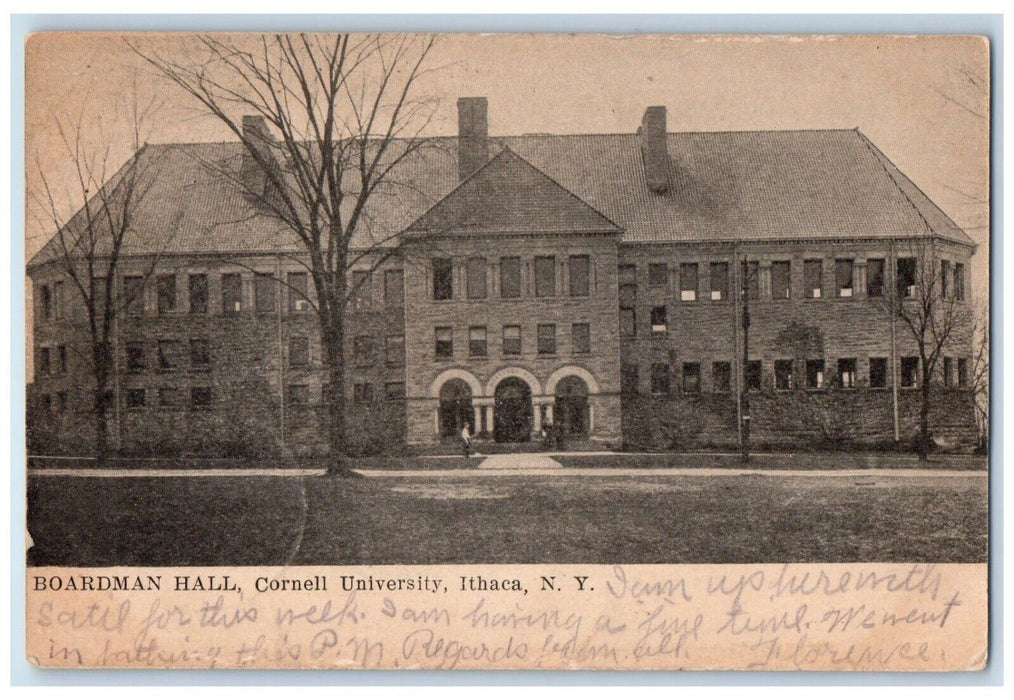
246 520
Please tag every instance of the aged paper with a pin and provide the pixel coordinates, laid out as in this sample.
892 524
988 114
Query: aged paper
657 352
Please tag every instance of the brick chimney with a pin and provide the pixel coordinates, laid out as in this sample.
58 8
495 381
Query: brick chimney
473 135
255 131
654 150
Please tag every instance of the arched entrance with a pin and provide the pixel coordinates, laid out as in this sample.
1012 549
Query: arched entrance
570 411
512 411
455 408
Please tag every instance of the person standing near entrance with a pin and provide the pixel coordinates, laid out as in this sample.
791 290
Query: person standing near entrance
466 441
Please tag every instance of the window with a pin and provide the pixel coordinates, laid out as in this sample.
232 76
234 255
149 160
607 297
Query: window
627 274
945 279
909 372
200 397
878 372
691 377
783 375
362 393
753 375
200 354
512 340
133 294
751 278
906 277
580 338
962 372
510 278
475 286
298 395
364 350
959 281
135 398
136 360
169 355
232 293
948 371
168 397
394 391
443 282
659 322
61 401
721 376
265 291
44 361
814 374
477 341
843 277
813 279
394 350
166 286
362 290
299 352
688 282
579 267
781 287
58 300
299 291
61 359
658 274
394 288
46 301
445 343
875 277
847 373
198 294
628 378
628 323
719 281
547 339
47 403
628 300
545 276
660 382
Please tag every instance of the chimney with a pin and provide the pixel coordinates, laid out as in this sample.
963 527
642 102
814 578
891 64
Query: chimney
473 135
255 132
654 149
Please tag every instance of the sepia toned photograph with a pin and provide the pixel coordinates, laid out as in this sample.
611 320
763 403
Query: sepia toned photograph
476 302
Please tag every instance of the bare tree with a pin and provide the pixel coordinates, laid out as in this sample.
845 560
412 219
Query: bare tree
978 380
342 116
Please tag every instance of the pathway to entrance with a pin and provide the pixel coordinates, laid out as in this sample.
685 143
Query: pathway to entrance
525 461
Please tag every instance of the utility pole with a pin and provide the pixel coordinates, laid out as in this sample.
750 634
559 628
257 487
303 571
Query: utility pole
745 388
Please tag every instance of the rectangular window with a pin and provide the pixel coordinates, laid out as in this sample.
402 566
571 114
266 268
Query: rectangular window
753 375
512 340
364 350
875 277
61 401
959 281
44 364
945 279
46 301
200 397
843 277
721 376
909 372
58 300
751 278
265 292
628 378
443 278
200 354
169 355
394 391
61 359
691 377
444 343
232 293
719 281
814 374
135 398
878 372
813 278
475 286
510 278
133 294
627 274
660 379
948 372
547 339
477 341
394 350
168 397
362 290
962 372
299 352
906 277
580 338
297 395
166 285
783 375
362 393
688 281
394 288
136 360
781 279
659 320
545 276
658 274
847 373
299 290
198 293
579 267
628 323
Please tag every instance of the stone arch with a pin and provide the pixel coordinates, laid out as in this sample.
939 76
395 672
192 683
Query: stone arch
571 370
448 374
519 372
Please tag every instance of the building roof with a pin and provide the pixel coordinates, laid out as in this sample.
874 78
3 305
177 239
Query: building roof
749 186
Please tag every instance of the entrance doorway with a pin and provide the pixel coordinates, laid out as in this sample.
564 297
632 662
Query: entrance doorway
570 411
512 411
456 408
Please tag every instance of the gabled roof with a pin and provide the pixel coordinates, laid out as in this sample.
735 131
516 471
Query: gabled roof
510 195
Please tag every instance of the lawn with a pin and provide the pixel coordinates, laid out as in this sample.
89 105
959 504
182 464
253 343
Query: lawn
467 518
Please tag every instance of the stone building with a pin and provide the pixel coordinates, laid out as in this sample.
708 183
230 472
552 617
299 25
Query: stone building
589 280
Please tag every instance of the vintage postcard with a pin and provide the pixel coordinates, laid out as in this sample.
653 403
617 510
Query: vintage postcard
507 351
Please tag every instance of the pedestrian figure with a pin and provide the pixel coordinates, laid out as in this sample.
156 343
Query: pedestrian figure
545 434
466 441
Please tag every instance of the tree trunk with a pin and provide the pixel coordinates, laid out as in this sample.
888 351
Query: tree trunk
924 436
102 357
334 349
